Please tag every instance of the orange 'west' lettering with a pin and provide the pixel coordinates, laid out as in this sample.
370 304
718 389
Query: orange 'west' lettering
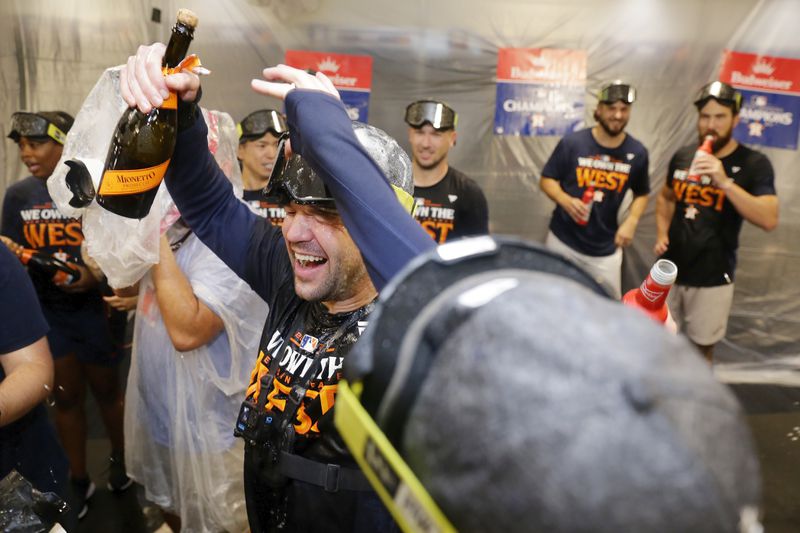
34 234
74 234
437 230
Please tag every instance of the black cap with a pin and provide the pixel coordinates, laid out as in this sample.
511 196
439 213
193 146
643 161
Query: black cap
722 93
438 114
43 124
519 393
258 123
617 91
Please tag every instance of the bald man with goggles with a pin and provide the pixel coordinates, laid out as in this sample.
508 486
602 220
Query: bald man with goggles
449 204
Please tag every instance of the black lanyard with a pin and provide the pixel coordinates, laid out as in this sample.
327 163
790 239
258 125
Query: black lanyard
300 387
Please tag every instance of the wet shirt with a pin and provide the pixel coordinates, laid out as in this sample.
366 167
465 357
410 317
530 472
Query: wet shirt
704 232
264 206
455 207
579 161
32 219
296 330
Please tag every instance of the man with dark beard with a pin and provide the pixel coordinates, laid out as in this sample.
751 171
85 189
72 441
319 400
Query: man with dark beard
698 223
449 204
609 162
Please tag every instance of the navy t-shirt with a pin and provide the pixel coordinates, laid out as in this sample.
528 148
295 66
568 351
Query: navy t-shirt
578 161
31 218
704 232
28 444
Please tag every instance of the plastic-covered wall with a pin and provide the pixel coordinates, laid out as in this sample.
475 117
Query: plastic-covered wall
52 52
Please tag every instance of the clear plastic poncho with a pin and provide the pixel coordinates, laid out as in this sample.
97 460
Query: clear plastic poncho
180 407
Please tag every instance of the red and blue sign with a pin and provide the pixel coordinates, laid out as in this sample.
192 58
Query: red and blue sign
770 88
540 91
350 74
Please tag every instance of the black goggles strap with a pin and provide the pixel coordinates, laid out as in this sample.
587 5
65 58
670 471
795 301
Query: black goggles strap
32 125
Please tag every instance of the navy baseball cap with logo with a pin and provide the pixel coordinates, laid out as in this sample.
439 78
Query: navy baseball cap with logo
258 123
42 125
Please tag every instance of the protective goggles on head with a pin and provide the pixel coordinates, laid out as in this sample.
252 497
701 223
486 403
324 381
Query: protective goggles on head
32 125
722 92
617 92
293 179
387 367
437 114
258 123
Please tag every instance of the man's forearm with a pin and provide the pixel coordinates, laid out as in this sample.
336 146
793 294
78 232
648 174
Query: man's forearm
759 210
665 209
29 378
188 321
552 188
205 198
638 207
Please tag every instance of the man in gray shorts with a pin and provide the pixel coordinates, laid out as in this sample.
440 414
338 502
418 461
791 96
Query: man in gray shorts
698 219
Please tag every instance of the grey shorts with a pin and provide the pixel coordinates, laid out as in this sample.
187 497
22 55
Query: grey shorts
701 313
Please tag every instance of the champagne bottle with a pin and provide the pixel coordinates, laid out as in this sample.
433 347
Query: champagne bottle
142 144
651 296
63 273
706 147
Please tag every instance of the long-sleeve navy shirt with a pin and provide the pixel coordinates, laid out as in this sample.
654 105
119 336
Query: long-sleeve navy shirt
386 235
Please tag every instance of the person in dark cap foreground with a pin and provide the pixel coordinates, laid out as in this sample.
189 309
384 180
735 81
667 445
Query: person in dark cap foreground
512 423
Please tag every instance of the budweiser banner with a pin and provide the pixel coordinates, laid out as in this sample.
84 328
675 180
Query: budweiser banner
770 88
540 91
352 76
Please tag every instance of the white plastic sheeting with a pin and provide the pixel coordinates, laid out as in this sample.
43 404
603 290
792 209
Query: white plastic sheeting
51 53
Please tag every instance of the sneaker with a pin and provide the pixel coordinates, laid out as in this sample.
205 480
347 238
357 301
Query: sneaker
118 480
83 489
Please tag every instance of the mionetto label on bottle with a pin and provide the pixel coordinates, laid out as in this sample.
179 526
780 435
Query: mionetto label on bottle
132 181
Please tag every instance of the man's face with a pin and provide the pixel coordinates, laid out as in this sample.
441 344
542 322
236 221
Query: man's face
429 146
40 155
327 265
258 156
613 117
717 120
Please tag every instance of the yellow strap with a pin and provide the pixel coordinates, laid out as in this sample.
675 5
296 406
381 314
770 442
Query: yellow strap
405 199
410 504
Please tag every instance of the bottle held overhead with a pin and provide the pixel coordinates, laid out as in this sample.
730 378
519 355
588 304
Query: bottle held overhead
142 144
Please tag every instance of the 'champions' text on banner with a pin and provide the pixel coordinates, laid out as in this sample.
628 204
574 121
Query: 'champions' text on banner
540 91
